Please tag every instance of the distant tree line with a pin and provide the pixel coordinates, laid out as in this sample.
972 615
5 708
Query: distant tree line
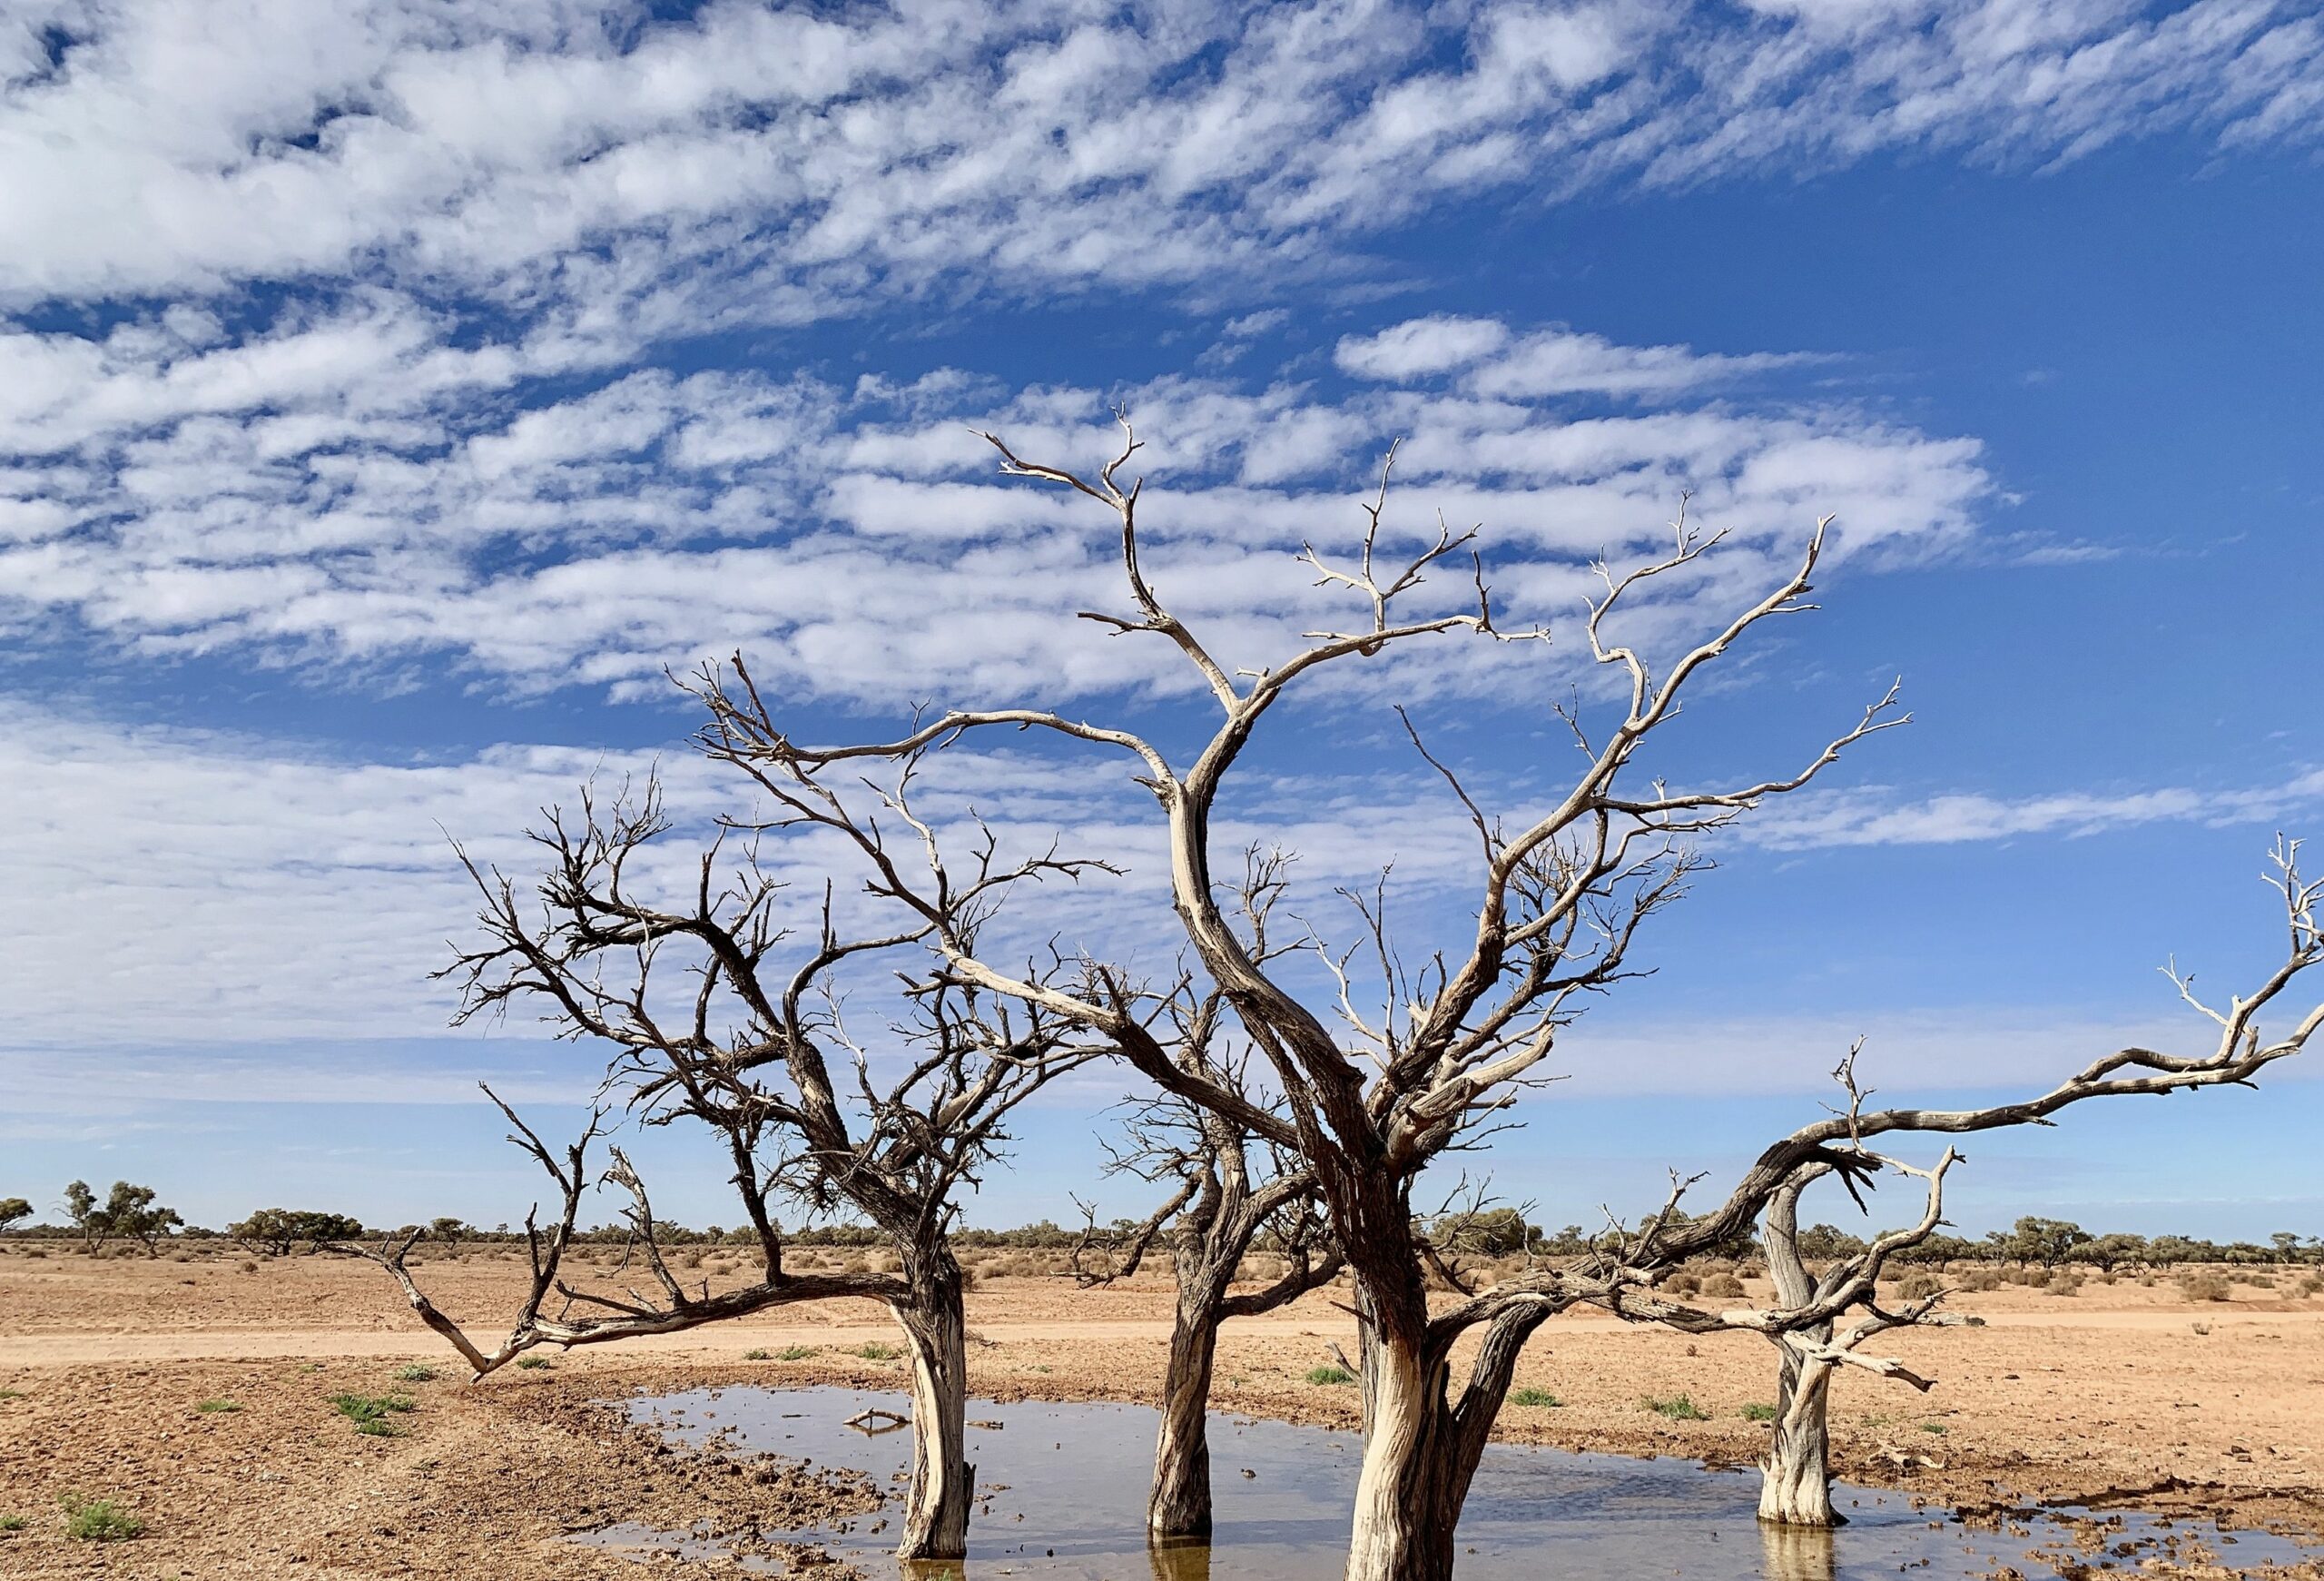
133 1213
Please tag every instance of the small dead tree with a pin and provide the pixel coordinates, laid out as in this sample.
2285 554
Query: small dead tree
1222 1202
1796 1489
1804 1324
744 1042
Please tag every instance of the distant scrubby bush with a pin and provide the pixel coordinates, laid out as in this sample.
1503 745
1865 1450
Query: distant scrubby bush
2204 1287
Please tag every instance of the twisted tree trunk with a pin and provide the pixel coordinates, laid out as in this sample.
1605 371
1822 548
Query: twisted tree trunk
1796 1479
1178 1509
936 1507
1421 1444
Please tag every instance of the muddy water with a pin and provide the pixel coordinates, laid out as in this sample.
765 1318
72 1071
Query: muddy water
1062 1495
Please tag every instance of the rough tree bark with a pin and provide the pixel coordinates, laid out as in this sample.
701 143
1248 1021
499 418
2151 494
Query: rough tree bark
1796 1485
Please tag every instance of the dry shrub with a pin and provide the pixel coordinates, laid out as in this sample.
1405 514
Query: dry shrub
2062 1283
1684 1284
2204 1287
1919 1286
1723 1284
1983 1278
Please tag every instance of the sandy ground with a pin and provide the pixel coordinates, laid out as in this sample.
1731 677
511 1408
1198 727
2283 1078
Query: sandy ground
2123 1390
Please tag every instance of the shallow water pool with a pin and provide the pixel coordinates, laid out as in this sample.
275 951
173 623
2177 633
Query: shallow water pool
1062 1495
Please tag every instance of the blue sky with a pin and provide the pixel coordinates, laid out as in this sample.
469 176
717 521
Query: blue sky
384 400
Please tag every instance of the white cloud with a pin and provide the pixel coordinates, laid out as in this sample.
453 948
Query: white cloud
1419 347
1875 816
1493 364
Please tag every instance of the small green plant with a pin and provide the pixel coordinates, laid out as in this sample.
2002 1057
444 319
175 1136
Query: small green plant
373 1415
98 1520
11 1523
1330 1374
417 1372
535 1363
11 1394
879 1351
1678 1408
215 1407
1533 1397
1759 1411
1936 1427
798 1352
754 1355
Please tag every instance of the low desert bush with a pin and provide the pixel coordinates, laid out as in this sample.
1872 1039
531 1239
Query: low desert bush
98 1520
1330 1374
1533 1397
417 1372
535 1363
2204 1287
754 1355
798 1352
1917 1286
11 1523
2063 1284
1684 1284
878 1350
1678 1408
1760 1411
1723 1284
215 1407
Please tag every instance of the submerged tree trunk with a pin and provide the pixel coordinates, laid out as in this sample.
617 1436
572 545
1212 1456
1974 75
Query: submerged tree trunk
1178 1509
1796 1485
936 1508
1796 1479
1421 1446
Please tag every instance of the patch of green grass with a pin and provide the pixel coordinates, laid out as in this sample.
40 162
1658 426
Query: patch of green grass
1936 1427
535 1363
1678 1408
11 1394
218 1406
11 1523
1041 1367
98 1520
1330 1374
373 1415
417 1372
754 1355
1533 1397
1757 1412
798 1352
879 1351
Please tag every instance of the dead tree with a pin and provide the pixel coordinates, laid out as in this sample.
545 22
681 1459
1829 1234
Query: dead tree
1220 1203
1803 1326
716 1016
1373 1092
1798 1486
1371 1097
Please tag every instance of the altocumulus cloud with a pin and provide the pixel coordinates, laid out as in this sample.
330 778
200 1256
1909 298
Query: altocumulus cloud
348 489
618 174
